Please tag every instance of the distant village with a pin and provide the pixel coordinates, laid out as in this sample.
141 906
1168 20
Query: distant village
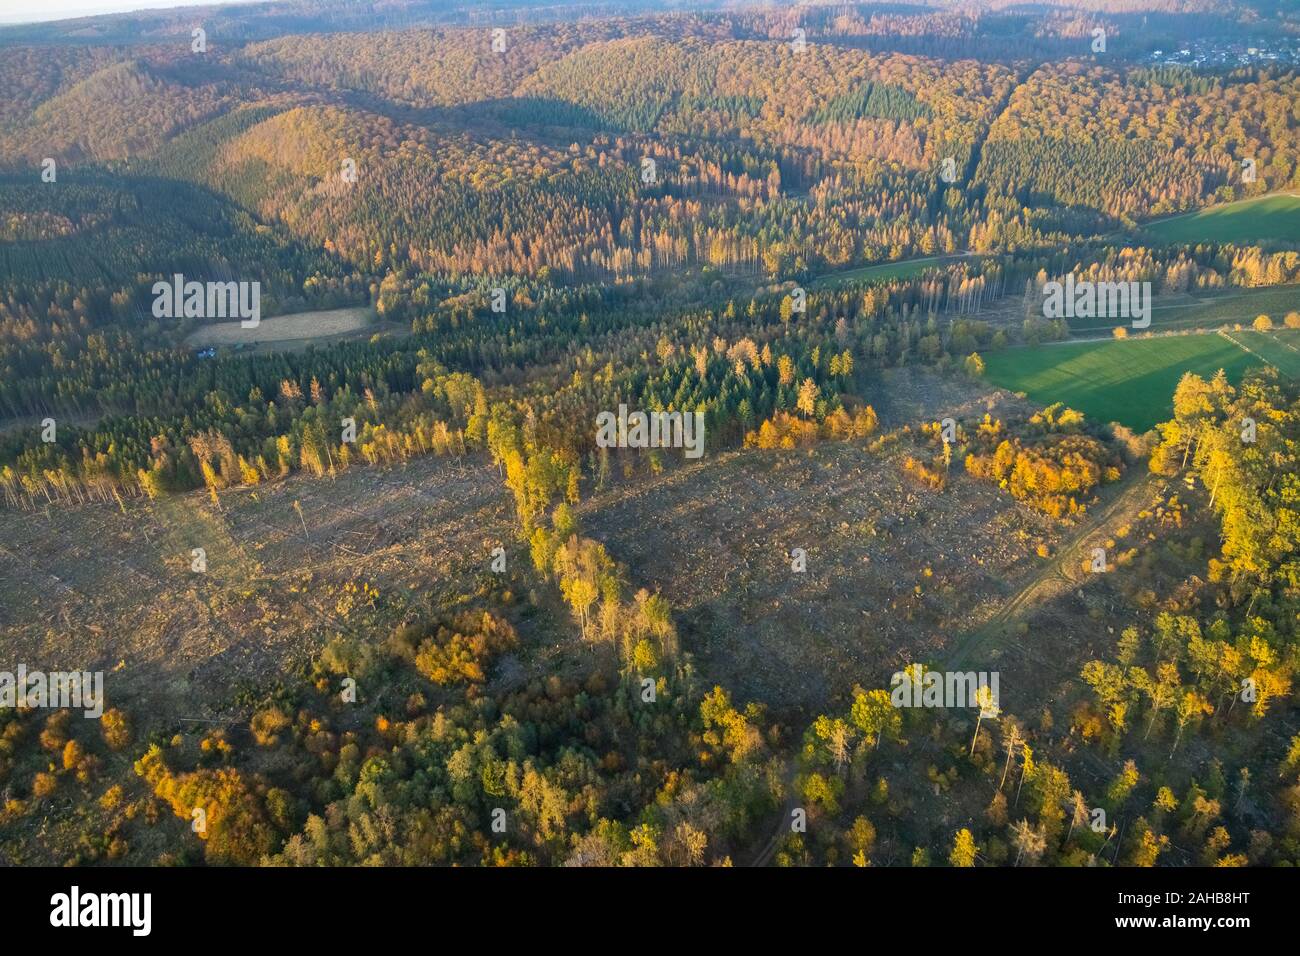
1222 53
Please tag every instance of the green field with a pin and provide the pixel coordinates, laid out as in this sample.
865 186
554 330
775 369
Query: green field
1132 382
1268 218
1279 349
1202 311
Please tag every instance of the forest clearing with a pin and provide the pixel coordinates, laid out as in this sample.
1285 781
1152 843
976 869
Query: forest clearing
299 329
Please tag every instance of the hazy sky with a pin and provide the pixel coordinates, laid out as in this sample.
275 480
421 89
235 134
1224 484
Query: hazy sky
27 11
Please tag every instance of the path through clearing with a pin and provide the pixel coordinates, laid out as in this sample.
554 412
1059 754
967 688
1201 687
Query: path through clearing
1064 570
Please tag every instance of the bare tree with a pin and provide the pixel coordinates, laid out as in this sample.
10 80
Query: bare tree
1030 841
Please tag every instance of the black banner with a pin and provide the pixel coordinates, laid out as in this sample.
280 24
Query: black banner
340 905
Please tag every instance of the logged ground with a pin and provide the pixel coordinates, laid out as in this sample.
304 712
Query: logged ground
99 588
895 571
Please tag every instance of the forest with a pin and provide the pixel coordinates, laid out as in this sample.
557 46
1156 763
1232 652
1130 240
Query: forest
366 598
